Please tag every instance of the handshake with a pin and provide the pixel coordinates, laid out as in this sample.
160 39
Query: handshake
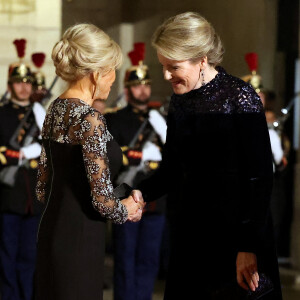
134 205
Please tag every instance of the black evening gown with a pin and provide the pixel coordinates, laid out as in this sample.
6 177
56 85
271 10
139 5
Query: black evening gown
79 159
217 171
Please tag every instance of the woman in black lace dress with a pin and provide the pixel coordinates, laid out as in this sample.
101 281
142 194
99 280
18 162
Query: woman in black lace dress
78 161
217 169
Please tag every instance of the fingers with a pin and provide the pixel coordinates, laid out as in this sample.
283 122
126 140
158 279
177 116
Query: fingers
247 275
138 198
134 208
131 206
250 280
240 280
255 278
136 217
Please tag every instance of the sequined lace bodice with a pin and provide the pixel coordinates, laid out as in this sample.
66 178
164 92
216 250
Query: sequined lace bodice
224 94
73 122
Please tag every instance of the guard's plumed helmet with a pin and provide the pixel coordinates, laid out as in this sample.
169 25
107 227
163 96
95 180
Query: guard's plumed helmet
39 81
19 71
254 79
138 73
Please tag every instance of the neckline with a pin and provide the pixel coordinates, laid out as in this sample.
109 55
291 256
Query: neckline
74 98
219 75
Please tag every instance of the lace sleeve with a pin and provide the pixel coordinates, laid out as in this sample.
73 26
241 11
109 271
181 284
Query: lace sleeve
42 176
93 136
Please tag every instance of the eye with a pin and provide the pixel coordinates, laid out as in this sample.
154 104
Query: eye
175 68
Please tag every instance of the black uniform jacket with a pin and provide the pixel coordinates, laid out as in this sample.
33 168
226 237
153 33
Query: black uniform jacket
21 198
123 125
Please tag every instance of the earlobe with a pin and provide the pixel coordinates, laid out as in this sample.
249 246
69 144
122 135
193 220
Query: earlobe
95 77
126 93
92 78
203 63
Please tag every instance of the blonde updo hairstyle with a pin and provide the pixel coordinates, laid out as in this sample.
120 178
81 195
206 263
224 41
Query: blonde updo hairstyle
84 49
188 36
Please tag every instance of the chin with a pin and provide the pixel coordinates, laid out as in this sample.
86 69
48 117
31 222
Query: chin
180 91
25 98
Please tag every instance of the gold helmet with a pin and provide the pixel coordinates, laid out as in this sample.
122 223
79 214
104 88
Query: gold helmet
39 81
254 79
138 73
19 71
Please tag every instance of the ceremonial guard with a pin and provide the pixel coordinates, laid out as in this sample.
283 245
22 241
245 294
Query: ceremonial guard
280 149
39 89
256 81
20 125
141 133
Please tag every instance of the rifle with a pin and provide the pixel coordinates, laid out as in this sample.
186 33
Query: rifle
24 123
128 175
8 174
48 95
4 97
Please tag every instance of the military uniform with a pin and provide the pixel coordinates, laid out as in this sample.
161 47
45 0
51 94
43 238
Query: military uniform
19 209
39 81
137 246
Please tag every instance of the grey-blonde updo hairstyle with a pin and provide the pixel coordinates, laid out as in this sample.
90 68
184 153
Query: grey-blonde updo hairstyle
188 36
84 49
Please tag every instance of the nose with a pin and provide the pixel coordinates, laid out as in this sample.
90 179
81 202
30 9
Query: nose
167 75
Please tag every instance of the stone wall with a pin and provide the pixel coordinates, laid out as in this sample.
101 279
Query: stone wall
40 25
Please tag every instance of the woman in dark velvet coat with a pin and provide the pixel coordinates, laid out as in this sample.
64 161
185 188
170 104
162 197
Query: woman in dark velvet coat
217 169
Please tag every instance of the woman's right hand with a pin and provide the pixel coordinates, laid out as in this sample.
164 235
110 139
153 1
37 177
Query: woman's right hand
134 209
246 270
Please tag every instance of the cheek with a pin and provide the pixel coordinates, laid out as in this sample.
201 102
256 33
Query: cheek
148 91
16 88
183 75
192 77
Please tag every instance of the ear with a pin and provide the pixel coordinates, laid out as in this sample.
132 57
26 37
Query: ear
94 77
126 92
203 63
9 87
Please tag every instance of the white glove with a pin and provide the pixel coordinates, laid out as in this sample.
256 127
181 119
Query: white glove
276 146
159 124
31 151
39 114
151 152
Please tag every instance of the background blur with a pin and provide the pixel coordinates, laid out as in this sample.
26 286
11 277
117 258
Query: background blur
268 27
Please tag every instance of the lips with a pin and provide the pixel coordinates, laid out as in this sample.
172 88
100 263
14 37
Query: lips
175 83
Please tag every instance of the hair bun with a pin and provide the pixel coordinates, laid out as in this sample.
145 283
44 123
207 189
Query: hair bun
83 49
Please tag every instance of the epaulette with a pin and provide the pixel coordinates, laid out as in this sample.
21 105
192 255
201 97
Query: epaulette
111 109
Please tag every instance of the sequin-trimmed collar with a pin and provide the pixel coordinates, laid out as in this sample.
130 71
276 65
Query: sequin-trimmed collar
221 73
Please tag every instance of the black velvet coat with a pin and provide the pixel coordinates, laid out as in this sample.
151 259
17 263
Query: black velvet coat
217 170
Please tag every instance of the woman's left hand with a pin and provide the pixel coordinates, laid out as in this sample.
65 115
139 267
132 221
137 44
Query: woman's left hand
246 270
